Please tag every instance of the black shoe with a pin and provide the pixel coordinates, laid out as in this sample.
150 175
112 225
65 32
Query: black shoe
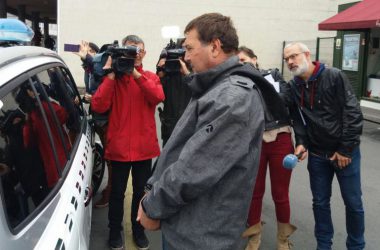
116 240
141 241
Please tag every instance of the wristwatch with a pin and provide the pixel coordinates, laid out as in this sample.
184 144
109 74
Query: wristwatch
108 71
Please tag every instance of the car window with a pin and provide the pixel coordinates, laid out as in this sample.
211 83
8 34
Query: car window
61 90
40 121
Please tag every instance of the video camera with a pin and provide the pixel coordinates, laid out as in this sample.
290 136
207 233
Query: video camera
123 59
172 52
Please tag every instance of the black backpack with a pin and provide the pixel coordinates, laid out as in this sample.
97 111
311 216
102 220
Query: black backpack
276 112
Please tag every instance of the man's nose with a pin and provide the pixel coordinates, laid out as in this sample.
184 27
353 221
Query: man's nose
288 61
186 58
289 64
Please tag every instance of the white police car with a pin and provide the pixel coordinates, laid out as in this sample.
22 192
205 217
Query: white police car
47 149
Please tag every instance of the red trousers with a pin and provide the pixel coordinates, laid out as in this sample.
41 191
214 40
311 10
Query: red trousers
272 155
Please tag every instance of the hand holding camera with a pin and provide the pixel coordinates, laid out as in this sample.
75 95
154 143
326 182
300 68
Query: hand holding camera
107 68
136 74
184 70
171 59
115 61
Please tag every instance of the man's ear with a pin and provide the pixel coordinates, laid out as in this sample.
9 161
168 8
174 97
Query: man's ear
216 47
307 54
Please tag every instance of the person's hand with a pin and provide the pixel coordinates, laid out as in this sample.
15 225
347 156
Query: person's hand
84 47
76 100
145 221
184 70
136 74
301 150
108 65
4 169
16 120
342 160
160 64
87 97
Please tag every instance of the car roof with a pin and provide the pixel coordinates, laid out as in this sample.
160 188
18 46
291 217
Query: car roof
16 60
15 52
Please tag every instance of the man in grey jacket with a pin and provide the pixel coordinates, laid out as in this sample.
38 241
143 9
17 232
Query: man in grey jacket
200 192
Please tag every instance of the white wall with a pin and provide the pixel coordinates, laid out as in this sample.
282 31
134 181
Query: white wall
262 25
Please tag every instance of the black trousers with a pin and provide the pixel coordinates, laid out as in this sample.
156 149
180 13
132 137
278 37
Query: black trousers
141 172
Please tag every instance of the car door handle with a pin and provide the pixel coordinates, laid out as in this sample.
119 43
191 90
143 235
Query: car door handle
87 196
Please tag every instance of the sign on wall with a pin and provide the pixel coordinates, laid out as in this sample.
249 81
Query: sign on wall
351 43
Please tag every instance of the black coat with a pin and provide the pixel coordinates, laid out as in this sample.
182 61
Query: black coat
177 96
331 118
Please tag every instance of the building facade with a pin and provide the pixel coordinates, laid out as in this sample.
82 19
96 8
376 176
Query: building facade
261 25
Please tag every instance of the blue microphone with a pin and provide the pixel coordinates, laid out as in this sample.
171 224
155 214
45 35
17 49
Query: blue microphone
290 161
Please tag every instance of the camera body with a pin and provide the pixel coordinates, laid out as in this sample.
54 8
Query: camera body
123 59
173 52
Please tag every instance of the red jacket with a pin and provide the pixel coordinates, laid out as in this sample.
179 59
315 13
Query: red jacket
35 132
131 133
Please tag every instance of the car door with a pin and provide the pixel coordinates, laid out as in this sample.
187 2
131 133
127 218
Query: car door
45 162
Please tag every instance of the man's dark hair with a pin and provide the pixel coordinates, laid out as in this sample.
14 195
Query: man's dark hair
212 26
133 39
247 51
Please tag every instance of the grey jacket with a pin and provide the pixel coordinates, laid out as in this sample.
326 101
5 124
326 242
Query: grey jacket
203 182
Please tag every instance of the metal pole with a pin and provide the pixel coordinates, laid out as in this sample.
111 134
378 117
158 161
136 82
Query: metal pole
317 50
282 58
46 26
3 8
21 12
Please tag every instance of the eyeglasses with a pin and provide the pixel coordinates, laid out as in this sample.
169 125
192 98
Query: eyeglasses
139 49
292 57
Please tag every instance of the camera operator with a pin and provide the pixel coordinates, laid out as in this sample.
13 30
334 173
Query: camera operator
174 77
131 99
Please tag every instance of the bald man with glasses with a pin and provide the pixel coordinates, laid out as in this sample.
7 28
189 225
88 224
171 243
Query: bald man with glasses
331 123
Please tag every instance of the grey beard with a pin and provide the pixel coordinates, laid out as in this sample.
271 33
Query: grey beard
301 69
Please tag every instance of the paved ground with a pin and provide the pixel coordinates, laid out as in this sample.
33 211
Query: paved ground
99 229
301 206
